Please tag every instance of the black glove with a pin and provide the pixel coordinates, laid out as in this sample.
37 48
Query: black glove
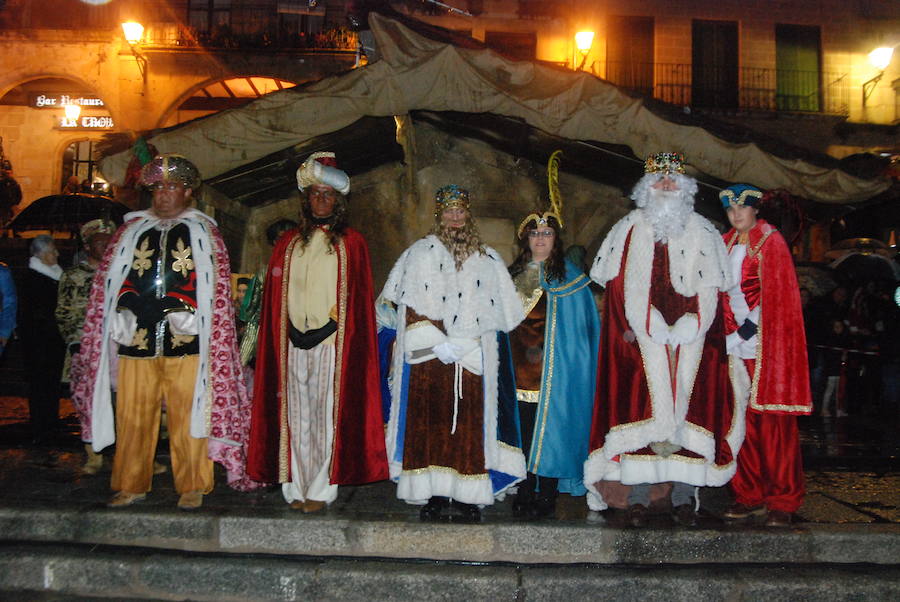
148 310
747 330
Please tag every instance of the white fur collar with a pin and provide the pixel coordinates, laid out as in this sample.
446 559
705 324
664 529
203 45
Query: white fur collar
188 213
476 299
50 271
703 264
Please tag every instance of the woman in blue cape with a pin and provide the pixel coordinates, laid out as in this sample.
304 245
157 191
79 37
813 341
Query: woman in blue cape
554 352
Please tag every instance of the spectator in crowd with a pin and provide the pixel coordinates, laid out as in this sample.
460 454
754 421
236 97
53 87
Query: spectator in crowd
43 347
74 291
8 305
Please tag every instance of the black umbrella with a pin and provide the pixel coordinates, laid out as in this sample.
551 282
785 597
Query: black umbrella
866 267
67 212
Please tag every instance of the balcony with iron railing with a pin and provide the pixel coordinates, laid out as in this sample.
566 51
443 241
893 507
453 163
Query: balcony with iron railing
746 88
177 35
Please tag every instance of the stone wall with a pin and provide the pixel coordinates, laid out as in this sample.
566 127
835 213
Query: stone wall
503 191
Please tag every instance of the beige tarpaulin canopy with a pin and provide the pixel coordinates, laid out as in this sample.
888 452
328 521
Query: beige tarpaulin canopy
418 73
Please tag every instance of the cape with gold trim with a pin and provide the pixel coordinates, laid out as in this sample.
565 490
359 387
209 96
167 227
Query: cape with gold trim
559 445
359 453
780 382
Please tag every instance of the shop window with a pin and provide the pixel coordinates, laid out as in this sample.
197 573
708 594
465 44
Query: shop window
209 16
629 53
78 161
798 76
714 64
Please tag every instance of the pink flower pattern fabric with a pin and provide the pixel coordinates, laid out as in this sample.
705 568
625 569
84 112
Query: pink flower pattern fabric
229 410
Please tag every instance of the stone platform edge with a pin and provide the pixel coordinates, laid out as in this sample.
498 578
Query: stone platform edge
529 543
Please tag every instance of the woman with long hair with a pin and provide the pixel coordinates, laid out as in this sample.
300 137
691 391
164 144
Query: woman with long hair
554 352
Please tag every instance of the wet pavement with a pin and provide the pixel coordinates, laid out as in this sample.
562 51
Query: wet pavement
852 470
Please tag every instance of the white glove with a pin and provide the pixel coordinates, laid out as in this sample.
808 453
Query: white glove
658 329
183 323
447 352
684 331
124 326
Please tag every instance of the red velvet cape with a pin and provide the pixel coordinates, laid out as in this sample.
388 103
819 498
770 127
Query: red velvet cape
780 382
623 397
359 448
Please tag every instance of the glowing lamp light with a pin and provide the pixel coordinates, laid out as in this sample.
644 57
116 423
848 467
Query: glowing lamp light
880 58
73 112
583 41
133 31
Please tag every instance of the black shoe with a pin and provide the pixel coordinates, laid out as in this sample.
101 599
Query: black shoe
522 507
636 516
464 513
778 518
684 515
544 507
431 512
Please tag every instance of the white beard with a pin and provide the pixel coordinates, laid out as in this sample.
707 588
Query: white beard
668 212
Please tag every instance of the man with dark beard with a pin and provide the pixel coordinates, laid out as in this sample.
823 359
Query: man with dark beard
664 407
316 401
448 437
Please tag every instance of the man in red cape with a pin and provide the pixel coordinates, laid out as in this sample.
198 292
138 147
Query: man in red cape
666 409
316 420
765 328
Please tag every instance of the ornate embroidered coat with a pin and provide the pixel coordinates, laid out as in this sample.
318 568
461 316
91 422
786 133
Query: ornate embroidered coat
221 411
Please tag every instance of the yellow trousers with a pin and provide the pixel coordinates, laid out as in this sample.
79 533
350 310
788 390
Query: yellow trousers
143 385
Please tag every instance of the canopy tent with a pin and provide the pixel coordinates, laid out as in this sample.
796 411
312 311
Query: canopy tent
419 73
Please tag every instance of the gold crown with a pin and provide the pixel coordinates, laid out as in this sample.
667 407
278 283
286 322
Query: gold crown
451 197
666 163
539 219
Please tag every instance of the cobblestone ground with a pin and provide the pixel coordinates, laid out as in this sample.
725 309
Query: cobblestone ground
840 488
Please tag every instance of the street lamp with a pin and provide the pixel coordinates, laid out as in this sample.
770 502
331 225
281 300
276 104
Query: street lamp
134 32
879 58
583 42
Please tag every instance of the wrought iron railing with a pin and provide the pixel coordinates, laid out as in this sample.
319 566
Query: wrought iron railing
173 34
748 88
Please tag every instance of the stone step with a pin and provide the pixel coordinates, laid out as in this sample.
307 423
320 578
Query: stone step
288 533
80 572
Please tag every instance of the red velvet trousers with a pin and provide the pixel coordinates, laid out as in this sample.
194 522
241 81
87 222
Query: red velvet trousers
769 465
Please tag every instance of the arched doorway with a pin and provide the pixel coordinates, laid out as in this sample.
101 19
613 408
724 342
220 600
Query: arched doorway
45 145
219 95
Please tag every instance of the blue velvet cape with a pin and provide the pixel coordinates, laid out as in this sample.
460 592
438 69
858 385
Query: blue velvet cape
559 444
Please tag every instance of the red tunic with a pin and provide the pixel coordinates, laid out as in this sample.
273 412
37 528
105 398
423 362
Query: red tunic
780 379
359 447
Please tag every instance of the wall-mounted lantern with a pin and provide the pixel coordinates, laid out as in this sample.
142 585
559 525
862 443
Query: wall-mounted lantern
879 58
583 42
134 32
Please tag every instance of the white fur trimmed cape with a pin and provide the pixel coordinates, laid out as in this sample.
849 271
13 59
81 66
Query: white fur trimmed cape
698 266
473 303
220 411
